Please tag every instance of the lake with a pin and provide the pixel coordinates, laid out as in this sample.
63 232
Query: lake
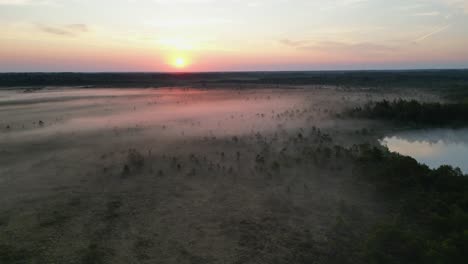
434 147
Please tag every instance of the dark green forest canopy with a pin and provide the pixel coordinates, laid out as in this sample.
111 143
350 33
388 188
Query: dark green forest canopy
414 112
452 80
430 223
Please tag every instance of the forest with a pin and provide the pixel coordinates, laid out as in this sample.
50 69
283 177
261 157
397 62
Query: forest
451 81
414 112
429 222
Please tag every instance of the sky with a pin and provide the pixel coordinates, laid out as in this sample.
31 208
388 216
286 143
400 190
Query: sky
231 35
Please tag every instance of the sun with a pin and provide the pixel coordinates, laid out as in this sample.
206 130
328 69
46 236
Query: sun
180 62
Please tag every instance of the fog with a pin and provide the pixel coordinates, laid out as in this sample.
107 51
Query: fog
179 175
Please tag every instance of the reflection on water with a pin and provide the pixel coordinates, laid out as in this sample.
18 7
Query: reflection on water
433 147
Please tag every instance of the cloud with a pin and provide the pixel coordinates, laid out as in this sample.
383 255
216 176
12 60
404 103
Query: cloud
78 27
166 2
434 32
358 47
335 45
293 43
254 3
13 2
459 4
66 30
24 2
334 4
434 13
189 22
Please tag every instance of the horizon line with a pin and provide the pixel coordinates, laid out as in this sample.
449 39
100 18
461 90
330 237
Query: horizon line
234 71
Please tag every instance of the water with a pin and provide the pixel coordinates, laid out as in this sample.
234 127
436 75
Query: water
434 147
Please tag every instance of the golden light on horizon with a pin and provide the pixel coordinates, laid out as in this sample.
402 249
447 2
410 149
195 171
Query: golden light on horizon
180 62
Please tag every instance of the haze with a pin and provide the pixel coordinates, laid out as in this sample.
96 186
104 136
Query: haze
231 35
234 132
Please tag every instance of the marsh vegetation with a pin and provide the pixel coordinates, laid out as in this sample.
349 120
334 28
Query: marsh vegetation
226 175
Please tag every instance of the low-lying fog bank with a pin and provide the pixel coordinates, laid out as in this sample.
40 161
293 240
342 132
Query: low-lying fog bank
184 175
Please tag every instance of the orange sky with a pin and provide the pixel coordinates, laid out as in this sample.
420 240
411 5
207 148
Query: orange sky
231 35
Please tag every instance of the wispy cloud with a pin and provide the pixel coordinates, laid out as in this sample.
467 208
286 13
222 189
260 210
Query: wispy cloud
432 33
66 30
293 43
13 2
341 4
459 4
166 2
189 22
24 2
357 48
433 13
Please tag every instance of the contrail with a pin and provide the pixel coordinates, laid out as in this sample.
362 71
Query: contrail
432 33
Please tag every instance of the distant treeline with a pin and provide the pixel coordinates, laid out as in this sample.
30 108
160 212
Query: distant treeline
453 79
96 79
415 112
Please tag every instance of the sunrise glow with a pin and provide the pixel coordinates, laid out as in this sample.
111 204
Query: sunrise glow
53 35
180 62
